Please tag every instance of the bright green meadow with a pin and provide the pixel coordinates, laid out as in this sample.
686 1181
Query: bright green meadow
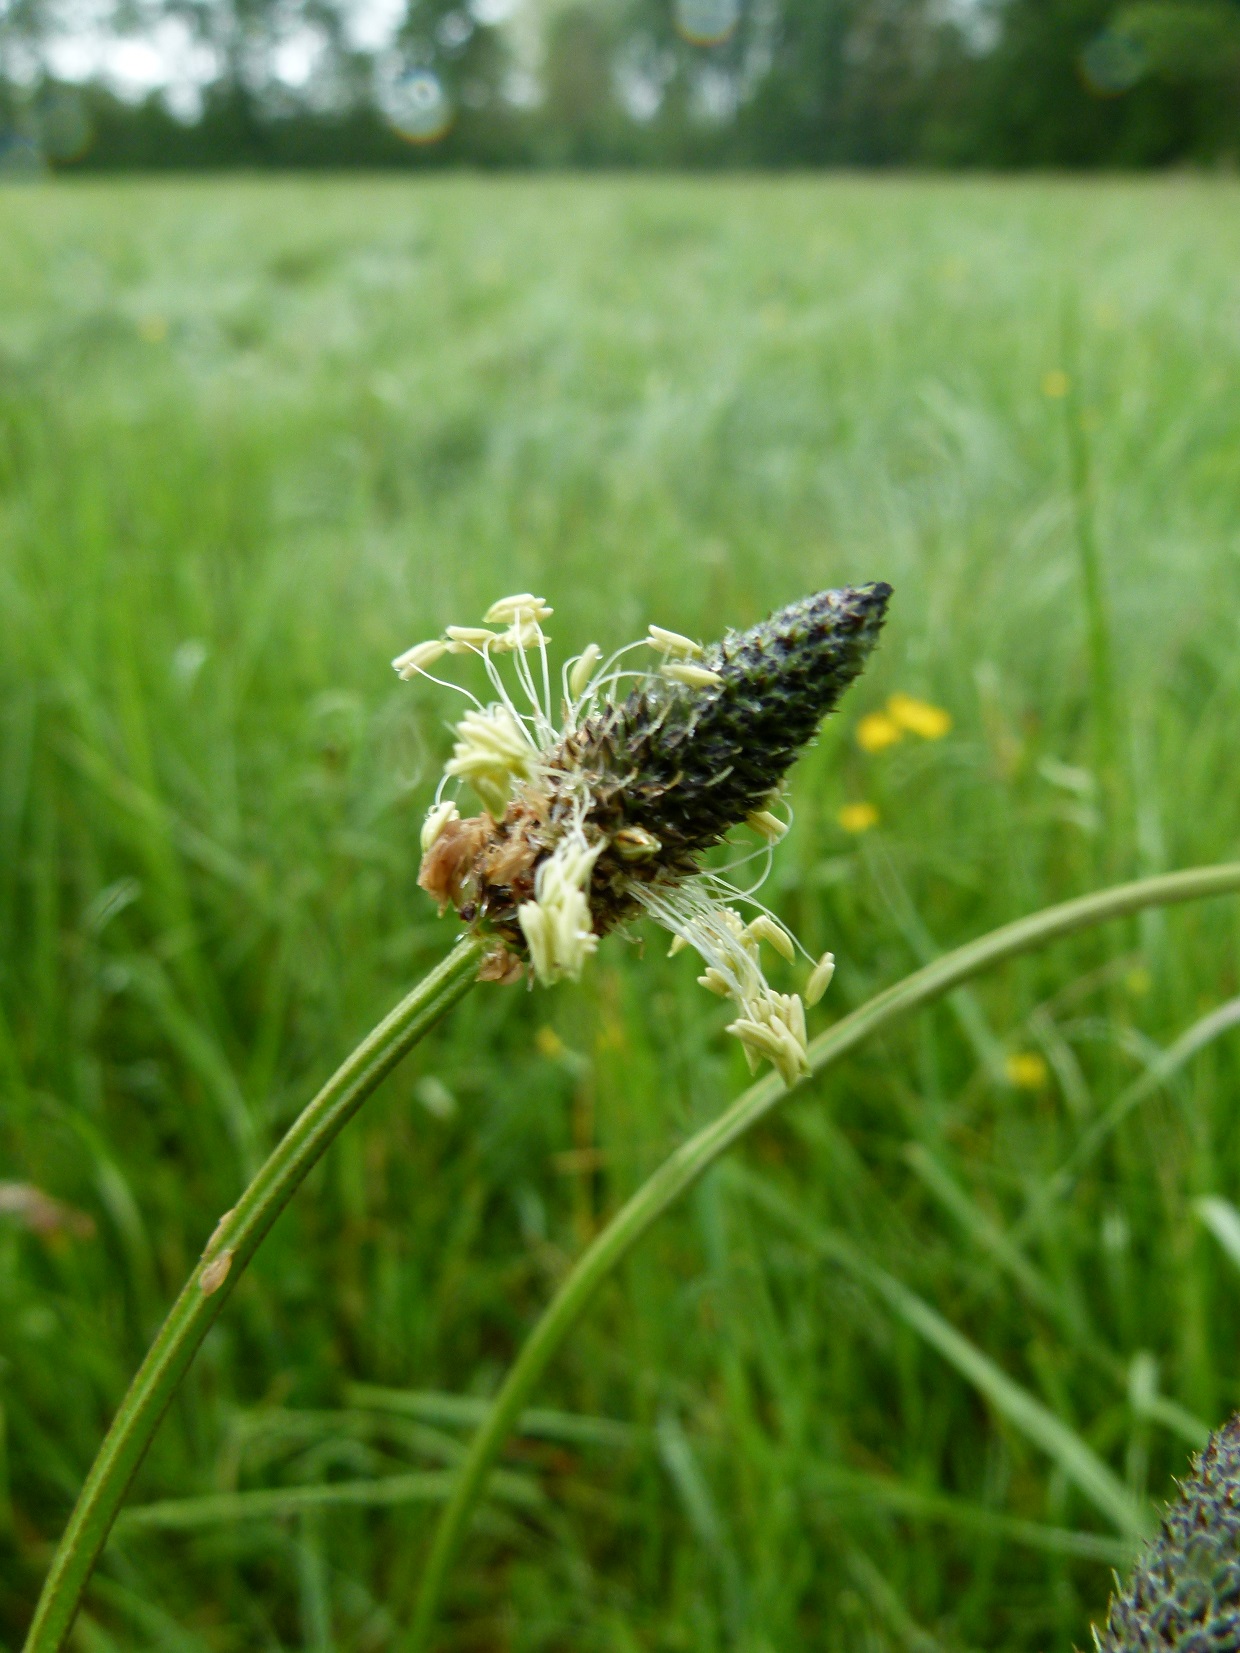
903 1372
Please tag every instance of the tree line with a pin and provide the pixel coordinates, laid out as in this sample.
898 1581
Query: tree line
678 83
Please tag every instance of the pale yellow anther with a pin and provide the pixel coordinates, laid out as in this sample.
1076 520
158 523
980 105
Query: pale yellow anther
678 946
714 981
437 818
558 925
792 1062
693 677
491 752
820 978
673 644
776 1042
583 669
766 825
739 931
476 635
764 928
537 928
636 844
524 606
420 656
527 634
794 1019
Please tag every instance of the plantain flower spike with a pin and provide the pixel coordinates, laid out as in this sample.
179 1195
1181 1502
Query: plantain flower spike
1184 1592
601 813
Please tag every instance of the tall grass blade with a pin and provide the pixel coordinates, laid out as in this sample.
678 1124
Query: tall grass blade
239 1235
922 1504
1079 1463
1223 1220
1164 1067
274 1503
693 1158
1097 619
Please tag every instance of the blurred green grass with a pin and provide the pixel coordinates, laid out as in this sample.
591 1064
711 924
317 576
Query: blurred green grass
255 437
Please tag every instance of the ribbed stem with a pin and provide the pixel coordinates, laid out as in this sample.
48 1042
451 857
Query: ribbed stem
204 1294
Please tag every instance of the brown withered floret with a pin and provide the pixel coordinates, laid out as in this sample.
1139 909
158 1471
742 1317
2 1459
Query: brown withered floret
448 867
486 869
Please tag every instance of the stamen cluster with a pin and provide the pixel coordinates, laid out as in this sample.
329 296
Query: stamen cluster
602 813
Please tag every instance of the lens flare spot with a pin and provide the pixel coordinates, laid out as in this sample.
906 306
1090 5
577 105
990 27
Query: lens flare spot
706 22
418 108
1112 63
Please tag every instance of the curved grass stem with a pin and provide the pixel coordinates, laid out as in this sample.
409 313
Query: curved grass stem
683 1168
237 1237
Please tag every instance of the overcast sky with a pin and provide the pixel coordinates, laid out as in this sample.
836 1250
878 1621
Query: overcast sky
85 45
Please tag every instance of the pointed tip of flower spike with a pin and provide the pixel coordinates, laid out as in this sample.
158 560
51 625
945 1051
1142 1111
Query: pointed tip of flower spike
691 765
820 978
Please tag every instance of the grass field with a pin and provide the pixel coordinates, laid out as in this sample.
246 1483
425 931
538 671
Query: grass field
256 437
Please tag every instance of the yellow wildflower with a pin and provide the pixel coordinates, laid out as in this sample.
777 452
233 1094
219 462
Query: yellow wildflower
918 717
1026 1070
876 731
859 817
549 1043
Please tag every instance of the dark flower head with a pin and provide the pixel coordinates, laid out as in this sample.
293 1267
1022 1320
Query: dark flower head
604 813
1184 1593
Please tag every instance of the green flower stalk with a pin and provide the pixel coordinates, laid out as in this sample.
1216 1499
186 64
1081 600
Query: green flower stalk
602 814
1184 1593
